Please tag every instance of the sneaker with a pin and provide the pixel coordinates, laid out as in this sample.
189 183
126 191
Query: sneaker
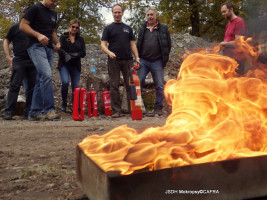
155 112
158 112
51 115
150 114
31 118
8 116
64 107
41 117
116 115
25 115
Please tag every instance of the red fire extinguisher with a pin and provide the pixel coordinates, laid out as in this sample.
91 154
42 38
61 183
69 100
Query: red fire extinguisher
107 102
136 105
78 103
92 103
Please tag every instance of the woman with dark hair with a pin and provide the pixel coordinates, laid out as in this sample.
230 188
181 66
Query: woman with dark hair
69 64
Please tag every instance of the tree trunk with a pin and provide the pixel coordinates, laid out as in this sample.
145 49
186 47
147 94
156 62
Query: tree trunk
194 17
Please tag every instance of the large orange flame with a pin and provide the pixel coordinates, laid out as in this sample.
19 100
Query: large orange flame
216 115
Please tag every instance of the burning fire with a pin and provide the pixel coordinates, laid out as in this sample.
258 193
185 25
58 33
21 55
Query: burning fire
216 115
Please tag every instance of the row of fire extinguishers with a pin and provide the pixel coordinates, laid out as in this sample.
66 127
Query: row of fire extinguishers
79 101
80 96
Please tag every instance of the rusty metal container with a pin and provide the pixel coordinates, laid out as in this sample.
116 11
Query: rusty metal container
243 178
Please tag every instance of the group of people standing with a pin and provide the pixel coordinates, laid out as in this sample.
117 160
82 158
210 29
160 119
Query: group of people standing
35 41
151 55
34 44
40 41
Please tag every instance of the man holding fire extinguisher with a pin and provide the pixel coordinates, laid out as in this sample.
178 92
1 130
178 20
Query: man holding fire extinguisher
121 45
154 46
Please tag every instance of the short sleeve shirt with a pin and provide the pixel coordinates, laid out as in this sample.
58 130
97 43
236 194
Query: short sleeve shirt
235 27
19 40
118 36
42 20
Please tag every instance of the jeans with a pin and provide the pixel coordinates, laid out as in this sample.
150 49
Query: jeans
43 97
115 66
157 72
21 70
67 73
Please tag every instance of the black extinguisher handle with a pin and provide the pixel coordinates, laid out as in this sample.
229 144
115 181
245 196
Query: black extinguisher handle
91 98
131 76
79 103
133 95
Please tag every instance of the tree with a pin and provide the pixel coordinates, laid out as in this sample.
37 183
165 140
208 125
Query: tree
88 12
197 17
10 14
254 8
137 13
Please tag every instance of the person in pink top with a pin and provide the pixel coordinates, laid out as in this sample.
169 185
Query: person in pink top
235 28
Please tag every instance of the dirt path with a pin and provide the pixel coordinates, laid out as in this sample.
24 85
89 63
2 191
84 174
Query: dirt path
37 159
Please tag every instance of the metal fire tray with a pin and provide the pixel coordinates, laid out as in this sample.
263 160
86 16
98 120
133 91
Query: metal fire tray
242 178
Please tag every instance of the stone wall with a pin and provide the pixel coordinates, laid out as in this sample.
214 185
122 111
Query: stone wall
180 43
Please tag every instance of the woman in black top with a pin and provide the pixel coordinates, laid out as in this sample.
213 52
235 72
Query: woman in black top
69 64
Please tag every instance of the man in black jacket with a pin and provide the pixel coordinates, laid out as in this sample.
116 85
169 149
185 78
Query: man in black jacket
154 46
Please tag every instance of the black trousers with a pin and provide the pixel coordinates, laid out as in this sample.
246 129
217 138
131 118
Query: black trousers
114 68
230 52
21 69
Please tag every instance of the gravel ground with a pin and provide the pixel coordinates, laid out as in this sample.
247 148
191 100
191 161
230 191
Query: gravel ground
38 159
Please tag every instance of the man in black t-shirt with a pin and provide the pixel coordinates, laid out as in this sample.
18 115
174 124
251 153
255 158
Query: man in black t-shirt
121 45
22 67
39 22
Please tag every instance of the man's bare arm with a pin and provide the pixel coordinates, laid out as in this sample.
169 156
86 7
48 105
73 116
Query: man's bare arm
7 52
56 40
134 49
105 49
25 27
135 53
230 43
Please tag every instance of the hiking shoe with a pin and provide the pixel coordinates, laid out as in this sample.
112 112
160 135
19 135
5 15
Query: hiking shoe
41 117
51 115
116 115
8 116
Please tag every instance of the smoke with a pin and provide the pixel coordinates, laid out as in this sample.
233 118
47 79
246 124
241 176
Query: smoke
257 17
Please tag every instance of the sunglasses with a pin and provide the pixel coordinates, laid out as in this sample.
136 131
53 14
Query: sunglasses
77 27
